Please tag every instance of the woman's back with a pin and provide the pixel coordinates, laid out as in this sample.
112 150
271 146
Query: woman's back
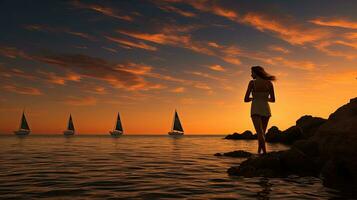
261 85
261 89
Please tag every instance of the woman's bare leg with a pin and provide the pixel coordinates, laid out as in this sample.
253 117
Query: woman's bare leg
258 125
265 121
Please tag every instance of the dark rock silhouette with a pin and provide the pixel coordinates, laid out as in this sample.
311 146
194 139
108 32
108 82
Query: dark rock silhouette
305 128
236 154
246 135
329 152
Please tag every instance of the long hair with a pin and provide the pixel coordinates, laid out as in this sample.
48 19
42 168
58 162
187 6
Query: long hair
259 71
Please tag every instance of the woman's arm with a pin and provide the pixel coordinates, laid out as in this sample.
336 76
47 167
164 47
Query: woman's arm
247 97
271 93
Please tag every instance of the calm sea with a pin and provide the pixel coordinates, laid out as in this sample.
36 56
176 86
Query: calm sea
138 167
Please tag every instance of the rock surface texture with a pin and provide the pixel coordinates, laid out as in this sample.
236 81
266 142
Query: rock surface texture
326 149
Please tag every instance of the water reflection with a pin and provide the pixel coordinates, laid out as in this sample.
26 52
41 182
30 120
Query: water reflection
266 189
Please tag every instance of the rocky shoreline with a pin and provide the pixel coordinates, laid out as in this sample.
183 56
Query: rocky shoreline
304 128
321 148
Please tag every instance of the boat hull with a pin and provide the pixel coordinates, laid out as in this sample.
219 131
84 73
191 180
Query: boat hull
22 132
68 132
116 133
175 133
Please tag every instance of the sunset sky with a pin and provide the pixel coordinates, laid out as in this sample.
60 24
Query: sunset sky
146 58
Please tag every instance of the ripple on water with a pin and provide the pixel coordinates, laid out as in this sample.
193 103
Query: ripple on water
138 167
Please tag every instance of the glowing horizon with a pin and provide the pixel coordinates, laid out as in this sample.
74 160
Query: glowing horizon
147 59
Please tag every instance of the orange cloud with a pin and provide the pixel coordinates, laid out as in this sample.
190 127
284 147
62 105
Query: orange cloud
279 49
213 7
22 90
335 22
326 47
169 8
202 86
52 77
197 73
285 29
159 38
217 68
178 90
168 36
131 44
283 26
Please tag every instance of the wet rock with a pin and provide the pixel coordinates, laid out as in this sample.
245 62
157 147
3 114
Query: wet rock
264 165
246 135
277 164
236 154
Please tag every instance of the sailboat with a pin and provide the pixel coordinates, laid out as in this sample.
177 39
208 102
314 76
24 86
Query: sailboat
24 127
118 129
70 128
176 127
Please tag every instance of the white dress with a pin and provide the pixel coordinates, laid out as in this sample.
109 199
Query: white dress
260 105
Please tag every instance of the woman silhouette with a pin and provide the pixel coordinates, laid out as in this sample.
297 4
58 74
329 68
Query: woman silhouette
262 91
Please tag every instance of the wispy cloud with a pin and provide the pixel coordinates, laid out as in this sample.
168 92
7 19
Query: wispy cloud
118 75
285 28
335 22
217 68
104 10
46 28
131 44
12 52
22 90
178 90
328 48
169 8
111 50
205 75
54 78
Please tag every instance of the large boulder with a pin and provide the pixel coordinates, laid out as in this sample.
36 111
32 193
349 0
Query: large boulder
277 164
246 135
309 125
330 153
337 143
